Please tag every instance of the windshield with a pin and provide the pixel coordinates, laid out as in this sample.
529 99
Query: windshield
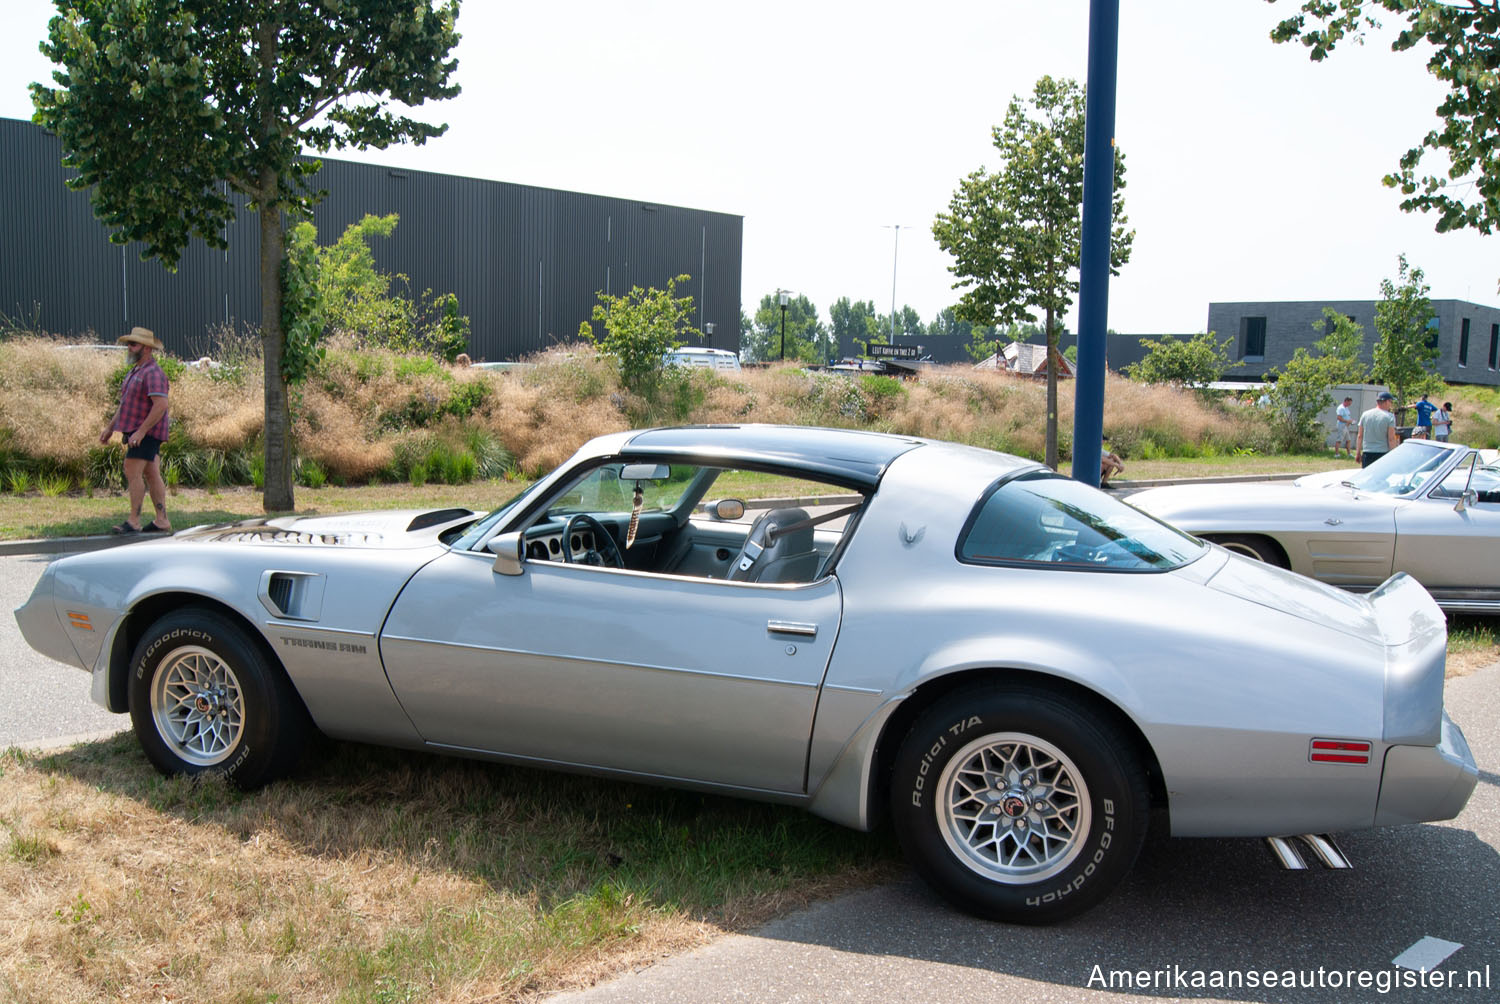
1046 518
1403 470
477 530
601 490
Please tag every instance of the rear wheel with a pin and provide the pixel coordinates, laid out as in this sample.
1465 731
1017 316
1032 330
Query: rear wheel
203 697
1018 805
1260 548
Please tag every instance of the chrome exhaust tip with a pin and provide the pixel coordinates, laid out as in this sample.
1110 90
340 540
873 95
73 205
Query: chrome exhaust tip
1324 850
1286 855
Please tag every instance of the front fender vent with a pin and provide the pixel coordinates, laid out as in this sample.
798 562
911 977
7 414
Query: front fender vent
296 596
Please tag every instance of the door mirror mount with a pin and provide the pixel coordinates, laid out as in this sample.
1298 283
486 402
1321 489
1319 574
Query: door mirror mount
508 549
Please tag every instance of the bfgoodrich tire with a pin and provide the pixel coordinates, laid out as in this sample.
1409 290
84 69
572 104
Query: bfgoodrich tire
205 698
1017 805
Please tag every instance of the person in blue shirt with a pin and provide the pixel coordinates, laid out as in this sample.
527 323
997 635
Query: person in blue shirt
1425 408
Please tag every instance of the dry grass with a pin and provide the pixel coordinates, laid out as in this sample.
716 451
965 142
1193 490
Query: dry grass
366 408
53 403
377 875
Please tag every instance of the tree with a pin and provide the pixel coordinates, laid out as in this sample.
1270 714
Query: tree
1341 346
357 298
1193 362
1406 352
1301 388
1464 36
806 338
169 109
854 324
908 325
1016 235
640 329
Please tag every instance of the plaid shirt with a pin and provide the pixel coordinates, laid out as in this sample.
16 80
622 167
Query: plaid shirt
142 383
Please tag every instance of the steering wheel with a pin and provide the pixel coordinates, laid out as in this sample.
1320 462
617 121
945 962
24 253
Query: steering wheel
604 551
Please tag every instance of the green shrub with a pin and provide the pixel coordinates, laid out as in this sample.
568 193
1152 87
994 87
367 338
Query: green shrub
466 398
310 473
417 476
53 485
491 458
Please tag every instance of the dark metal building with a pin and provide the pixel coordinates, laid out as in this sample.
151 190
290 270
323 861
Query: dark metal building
1266 334
526 263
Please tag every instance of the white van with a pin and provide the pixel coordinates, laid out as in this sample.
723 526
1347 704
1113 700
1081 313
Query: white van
715 359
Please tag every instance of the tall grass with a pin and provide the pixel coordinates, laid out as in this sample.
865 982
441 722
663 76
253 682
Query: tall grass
373 415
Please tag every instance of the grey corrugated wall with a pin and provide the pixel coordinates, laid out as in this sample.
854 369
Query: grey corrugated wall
525 262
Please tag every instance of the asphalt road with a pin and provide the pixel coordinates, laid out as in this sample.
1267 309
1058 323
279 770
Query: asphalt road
42 703
1190 910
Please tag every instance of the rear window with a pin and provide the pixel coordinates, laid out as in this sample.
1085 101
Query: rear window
1043 518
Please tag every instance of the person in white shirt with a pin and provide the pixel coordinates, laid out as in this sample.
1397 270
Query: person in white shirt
1343 434
1442 422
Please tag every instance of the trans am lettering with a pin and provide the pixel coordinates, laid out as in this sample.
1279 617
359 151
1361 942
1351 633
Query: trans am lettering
328 646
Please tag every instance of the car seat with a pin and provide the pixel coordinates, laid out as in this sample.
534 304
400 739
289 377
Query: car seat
772 556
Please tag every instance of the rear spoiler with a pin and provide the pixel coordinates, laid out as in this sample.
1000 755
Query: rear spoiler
1415 633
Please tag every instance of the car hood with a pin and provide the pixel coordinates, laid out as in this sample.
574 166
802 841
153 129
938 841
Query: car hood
393 528
1200 507
1297 595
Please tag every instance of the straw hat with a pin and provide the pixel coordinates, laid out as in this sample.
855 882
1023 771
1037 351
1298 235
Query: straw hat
141 336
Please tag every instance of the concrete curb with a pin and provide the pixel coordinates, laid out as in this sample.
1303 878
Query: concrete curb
70 545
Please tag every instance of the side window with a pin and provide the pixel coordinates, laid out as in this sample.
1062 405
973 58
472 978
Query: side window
1457 480
1046 519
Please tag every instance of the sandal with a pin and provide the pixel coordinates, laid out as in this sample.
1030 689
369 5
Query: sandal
124 528
154 527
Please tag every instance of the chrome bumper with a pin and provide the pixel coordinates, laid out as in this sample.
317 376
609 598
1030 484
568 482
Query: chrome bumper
1422 784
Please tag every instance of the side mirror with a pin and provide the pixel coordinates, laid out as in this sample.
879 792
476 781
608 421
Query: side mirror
508 549
1468 498
645 472
727 510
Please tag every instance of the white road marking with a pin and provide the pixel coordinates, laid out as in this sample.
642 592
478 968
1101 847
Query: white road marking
1426 955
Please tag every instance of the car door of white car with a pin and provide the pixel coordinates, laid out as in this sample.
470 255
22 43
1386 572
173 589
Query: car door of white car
1445 548
697 679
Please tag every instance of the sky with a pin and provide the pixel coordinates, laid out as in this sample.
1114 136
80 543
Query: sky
1252 173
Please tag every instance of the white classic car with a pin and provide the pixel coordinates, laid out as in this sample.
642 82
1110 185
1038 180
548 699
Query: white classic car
1429 509
1011 666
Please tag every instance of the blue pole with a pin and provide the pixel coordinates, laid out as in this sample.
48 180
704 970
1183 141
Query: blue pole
1093 271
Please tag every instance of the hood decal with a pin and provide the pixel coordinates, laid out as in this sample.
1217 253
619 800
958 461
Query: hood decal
384 529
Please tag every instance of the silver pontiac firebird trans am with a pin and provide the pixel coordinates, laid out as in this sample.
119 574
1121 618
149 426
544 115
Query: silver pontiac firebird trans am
1013 667
1429 509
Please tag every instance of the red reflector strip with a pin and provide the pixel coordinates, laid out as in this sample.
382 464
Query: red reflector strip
1339 751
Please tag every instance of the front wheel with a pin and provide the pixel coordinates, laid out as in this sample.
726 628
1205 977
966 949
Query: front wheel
1260 548
204 698
1017 805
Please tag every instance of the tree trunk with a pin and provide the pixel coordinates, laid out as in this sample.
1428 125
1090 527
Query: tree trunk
277 496
1051 392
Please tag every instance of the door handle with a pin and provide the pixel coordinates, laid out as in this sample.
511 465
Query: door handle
792 627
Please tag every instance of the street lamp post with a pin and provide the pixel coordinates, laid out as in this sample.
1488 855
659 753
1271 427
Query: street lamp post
895 251
783 294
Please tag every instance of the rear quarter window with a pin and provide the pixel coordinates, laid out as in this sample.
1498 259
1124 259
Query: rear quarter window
1044 519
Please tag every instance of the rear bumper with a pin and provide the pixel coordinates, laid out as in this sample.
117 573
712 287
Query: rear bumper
1422 784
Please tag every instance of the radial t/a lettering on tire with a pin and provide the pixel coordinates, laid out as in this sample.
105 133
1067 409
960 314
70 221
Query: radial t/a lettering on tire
1017 804
205 698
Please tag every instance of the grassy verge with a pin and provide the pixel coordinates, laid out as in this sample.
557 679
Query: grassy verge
378 876
33 515
1209 467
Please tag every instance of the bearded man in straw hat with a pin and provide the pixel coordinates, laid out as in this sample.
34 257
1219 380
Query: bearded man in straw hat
142 421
